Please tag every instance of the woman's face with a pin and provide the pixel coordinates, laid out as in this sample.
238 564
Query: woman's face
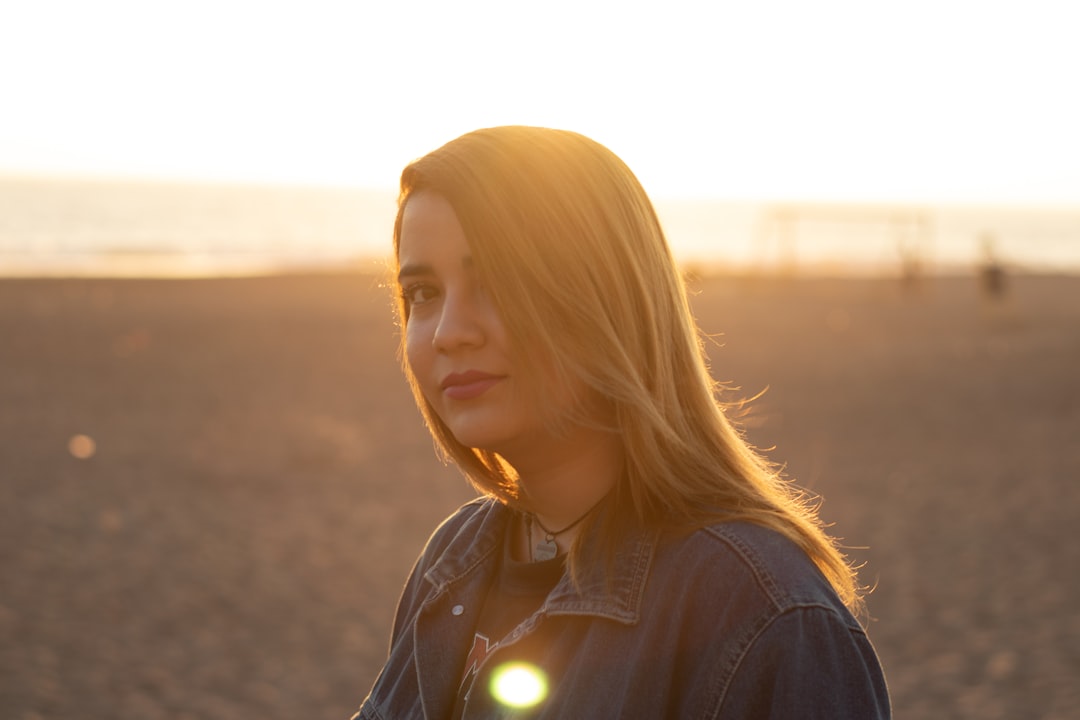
455 341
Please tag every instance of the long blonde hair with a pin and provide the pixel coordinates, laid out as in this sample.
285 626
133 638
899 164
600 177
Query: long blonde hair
572 254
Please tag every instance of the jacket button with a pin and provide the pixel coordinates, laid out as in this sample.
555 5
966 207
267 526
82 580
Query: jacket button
457 609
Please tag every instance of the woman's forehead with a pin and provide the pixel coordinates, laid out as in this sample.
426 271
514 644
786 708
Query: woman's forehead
430 235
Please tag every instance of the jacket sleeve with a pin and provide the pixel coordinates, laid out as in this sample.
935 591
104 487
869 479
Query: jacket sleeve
417 587
808 663
410 596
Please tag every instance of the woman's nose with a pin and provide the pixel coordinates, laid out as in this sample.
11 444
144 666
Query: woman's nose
460 323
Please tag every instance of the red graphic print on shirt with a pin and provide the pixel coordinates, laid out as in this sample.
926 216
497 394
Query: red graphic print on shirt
481 648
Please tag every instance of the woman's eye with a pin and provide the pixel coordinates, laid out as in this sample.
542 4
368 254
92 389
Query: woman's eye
417 294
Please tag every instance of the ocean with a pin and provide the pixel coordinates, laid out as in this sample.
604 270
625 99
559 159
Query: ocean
82 227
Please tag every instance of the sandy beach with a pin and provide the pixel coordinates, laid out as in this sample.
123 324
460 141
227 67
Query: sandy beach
229 538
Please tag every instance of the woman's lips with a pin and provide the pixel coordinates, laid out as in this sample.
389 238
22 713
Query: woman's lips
468 385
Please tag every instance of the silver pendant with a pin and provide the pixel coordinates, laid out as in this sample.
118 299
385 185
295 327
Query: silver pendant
545 550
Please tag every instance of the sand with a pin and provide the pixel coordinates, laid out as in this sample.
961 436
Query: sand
255 484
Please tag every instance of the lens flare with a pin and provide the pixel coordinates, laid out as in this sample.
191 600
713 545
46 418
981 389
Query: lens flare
518 684
82 447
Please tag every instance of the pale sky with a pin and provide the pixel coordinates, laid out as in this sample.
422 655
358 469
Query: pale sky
940 101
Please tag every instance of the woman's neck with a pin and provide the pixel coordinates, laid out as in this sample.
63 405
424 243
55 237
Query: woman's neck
561 483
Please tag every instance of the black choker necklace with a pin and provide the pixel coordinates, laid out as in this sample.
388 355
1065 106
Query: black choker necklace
546 548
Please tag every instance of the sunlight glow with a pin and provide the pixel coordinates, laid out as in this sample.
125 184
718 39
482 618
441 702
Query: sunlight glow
833 100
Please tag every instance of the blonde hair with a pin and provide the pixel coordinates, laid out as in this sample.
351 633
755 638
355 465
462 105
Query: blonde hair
572 254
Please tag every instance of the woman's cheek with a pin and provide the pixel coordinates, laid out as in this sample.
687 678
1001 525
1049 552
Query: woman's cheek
419 353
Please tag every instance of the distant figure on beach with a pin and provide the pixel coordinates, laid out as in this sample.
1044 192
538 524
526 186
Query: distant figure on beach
630 556
911 262
991 270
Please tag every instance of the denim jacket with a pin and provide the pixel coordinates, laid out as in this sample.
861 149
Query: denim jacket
730 621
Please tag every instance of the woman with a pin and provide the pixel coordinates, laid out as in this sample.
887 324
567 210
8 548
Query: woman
630 556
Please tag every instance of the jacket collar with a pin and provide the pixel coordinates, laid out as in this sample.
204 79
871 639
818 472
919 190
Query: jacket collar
479 540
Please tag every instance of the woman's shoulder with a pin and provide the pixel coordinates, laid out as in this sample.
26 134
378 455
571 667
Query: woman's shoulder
465 514
749 561
477 521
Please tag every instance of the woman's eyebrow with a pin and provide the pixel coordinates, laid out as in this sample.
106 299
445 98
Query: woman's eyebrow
412 270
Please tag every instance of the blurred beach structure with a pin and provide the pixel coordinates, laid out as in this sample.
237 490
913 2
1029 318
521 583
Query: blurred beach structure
82 227
214 487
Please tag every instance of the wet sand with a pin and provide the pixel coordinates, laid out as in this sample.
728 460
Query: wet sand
260 484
